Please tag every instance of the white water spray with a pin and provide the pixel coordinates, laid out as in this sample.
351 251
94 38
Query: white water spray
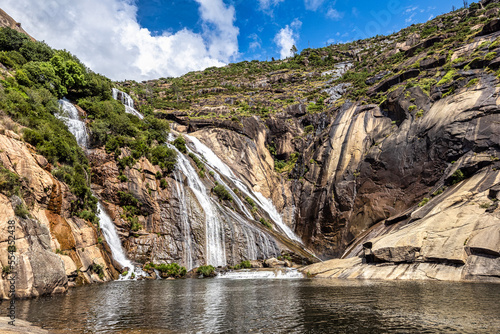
72 120
127 101
285 273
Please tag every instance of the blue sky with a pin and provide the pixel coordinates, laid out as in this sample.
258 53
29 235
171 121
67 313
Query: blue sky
317 22
138 39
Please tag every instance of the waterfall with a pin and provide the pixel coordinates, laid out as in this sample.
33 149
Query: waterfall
78 129
72 120
265 204
215 245
185 226
112 238
127 101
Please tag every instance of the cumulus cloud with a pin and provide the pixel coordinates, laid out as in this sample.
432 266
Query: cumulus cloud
313 4
287 37
334 14
106 36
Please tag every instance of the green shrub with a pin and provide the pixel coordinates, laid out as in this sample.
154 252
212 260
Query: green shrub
164 157
264 222
222 192
472 82
447 77
6 270
457 176
490 56
171 270
424 202
309 128
206 271
10 183
243 265
250 201
98 269
281 166
135 226
199 164
127 199
11 39
21 211
180 144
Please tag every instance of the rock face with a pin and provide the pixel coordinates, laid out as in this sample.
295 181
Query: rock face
455 236
52 248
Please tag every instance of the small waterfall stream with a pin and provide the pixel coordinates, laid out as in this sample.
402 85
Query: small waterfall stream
186 228
71 118
127 101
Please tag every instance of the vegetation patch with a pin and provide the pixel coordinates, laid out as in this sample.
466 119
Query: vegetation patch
206 271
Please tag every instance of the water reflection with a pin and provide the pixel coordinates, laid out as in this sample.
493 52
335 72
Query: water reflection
269 306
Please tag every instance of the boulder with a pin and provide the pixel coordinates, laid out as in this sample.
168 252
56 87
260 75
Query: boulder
274 263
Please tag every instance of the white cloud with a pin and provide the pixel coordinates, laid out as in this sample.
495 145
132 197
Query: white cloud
313 4
334 14
287 37
106 36
265 5
355 12
410 18
411 9
255 43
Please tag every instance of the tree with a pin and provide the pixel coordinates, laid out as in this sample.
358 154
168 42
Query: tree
293 50
11 39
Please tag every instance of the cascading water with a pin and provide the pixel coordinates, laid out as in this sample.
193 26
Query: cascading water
265 204
186 228
215 249
72 120
112 238
127 101
285 273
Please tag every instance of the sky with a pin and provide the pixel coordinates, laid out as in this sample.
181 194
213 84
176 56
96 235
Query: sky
142 40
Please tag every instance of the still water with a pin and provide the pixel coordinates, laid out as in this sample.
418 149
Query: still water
269 306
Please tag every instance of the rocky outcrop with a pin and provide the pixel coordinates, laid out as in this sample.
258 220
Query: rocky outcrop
53 249
455 236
